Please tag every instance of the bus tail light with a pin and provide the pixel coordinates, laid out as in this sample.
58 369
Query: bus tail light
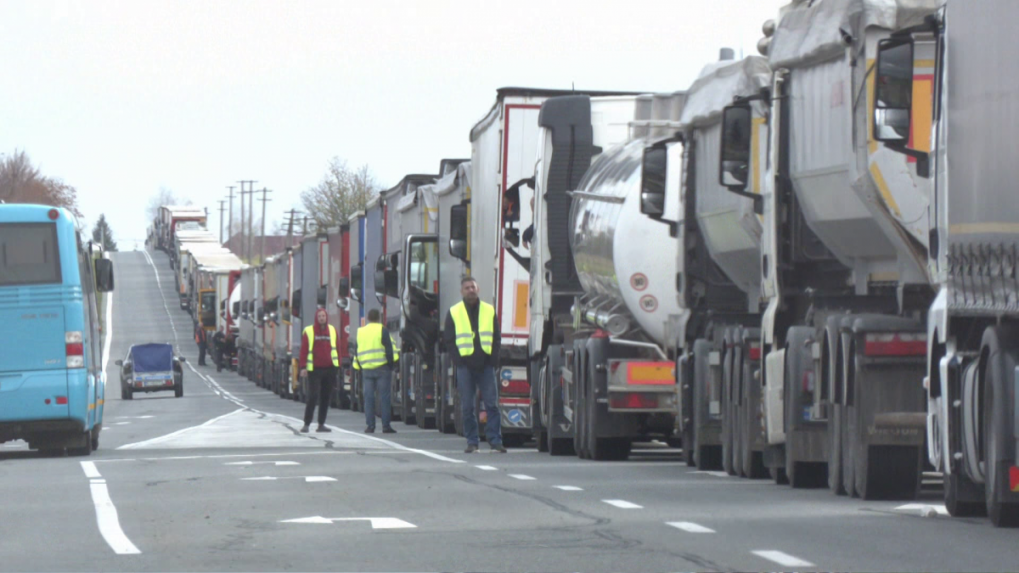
75 349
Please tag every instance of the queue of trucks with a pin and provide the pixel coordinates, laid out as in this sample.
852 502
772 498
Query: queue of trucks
802 266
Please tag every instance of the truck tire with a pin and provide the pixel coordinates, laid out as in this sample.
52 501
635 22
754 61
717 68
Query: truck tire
601 449
558 445
535 371
95 436
835 431
705 457
407 413
750 411
736 406
960 496
999 351
421 391
579 424
443 410
801 475
727 408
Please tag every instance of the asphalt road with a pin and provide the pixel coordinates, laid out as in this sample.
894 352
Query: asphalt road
221 480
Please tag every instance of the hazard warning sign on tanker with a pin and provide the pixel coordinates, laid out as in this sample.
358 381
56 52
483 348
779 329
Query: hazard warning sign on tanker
638 281
649 303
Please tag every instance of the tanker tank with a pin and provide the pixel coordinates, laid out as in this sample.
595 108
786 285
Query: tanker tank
627 267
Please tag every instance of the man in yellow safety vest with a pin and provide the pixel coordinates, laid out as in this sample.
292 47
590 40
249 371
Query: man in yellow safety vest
472 338
320 362
375 359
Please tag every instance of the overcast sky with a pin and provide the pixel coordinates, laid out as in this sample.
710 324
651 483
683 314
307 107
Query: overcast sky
120 98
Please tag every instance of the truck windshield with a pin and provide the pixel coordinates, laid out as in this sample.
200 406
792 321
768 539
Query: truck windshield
29 254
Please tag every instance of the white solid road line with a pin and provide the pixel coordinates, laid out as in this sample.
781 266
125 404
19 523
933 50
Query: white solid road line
250 463
622 504
720 474
377 522
109 524
141 445
308 479
568 487
690 527
783 559
487 468
90 469
924 509
521 477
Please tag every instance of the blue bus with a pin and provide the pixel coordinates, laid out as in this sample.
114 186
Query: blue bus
51 372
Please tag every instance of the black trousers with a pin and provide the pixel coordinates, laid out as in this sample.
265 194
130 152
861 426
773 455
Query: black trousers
201 355
320 390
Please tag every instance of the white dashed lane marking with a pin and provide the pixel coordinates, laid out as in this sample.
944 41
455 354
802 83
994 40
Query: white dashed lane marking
690 527
568 487
487 468
783 559
521 477
622 504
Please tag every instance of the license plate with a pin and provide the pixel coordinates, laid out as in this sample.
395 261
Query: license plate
155 383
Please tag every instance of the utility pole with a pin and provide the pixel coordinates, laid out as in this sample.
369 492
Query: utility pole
251 219
290 226
243 230
222 208
230 222
261 258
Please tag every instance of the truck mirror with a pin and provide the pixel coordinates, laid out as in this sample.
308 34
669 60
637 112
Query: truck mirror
343 288
392 282
654 166
458 231
295 305
321 296
380 283
356 279
735 154
104 275
235 308
893 90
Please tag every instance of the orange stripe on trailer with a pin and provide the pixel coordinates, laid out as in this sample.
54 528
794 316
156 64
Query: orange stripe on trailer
1013 478
521 295
650 373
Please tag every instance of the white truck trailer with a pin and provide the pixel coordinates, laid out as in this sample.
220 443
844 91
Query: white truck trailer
947 94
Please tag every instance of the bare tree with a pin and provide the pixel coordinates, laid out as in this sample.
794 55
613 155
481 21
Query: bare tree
341 193
20 182
163 197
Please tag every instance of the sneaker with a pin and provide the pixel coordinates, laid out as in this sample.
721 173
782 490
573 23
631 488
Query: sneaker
471 448
304 430
369 430
388 431
499 448
323 429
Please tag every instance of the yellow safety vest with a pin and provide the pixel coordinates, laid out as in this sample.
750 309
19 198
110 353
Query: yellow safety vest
370 351
309 334
464 333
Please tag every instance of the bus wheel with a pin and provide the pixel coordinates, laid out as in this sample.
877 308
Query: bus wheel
85 447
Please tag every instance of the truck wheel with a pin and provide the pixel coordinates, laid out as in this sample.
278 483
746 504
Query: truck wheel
801 475
601 449
727 407
753 462
835 477
736 409
579 423
95 436
444 420
957 486
553 405
424 421
705 457
997 431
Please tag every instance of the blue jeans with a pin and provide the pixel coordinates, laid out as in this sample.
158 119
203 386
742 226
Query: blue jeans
468 383
377 379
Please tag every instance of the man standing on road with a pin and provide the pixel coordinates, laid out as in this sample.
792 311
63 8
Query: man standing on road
319 362
472 328
375 359
201 341
218 343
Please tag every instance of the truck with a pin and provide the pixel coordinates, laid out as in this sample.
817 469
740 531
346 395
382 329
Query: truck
717 339
372 245
424 306
923 113
183 276
282 321
354 309
174 217
402 216
337 276
601 307
246 326
306 297
844 279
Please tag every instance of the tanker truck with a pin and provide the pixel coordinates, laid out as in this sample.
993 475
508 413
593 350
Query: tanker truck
844 281
719 235
972 332
602 302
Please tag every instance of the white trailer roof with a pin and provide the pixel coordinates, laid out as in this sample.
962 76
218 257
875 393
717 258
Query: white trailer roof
718 84
813 31
226 260
447 184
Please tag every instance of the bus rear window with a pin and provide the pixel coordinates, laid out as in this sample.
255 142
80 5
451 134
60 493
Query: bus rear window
29 254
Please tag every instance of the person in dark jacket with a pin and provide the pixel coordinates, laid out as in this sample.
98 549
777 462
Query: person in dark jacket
472 338
201 341
218 342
